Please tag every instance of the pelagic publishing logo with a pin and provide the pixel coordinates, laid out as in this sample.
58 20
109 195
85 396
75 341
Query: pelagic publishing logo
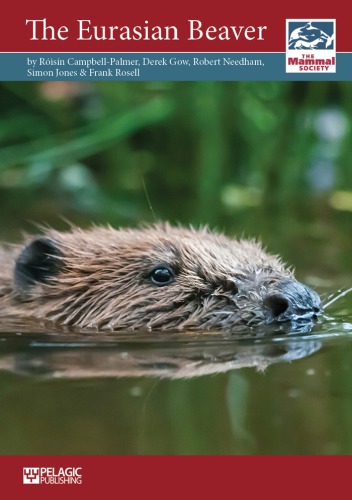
310 46
31 475
52 475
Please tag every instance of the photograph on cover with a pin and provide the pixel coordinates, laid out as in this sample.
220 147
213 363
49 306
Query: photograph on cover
175 268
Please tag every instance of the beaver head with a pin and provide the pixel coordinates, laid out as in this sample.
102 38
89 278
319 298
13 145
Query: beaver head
158 277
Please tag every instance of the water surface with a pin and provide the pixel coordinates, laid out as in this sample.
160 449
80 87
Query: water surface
214 393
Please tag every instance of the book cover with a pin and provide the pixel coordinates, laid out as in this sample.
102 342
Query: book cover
235 118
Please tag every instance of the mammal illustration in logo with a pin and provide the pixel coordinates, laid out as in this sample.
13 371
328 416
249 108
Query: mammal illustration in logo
309 37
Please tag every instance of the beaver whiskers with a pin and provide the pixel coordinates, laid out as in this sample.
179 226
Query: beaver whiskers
333 297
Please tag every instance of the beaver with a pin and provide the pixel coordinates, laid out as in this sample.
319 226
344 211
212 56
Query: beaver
157 277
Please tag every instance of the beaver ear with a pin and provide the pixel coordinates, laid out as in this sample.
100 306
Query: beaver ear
36 263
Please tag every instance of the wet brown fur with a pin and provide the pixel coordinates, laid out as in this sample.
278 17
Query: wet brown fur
104 280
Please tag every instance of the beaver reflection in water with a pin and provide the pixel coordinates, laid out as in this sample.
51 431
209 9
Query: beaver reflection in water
158 277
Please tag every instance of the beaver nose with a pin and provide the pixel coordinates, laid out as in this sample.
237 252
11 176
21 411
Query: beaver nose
291 300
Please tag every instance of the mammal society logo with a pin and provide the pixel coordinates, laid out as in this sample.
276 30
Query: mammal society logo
52 475
310 46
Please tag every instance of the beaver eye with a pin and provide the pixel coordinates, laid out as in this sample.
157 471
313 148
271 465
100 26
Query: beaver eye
162 276
229 285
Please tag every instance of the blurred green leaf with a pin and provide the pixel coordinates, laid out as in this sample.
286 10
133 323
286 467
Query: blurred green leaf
87 140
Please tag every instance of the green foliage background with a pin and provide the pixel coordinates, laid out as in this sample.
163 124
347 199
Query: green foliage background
201 150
